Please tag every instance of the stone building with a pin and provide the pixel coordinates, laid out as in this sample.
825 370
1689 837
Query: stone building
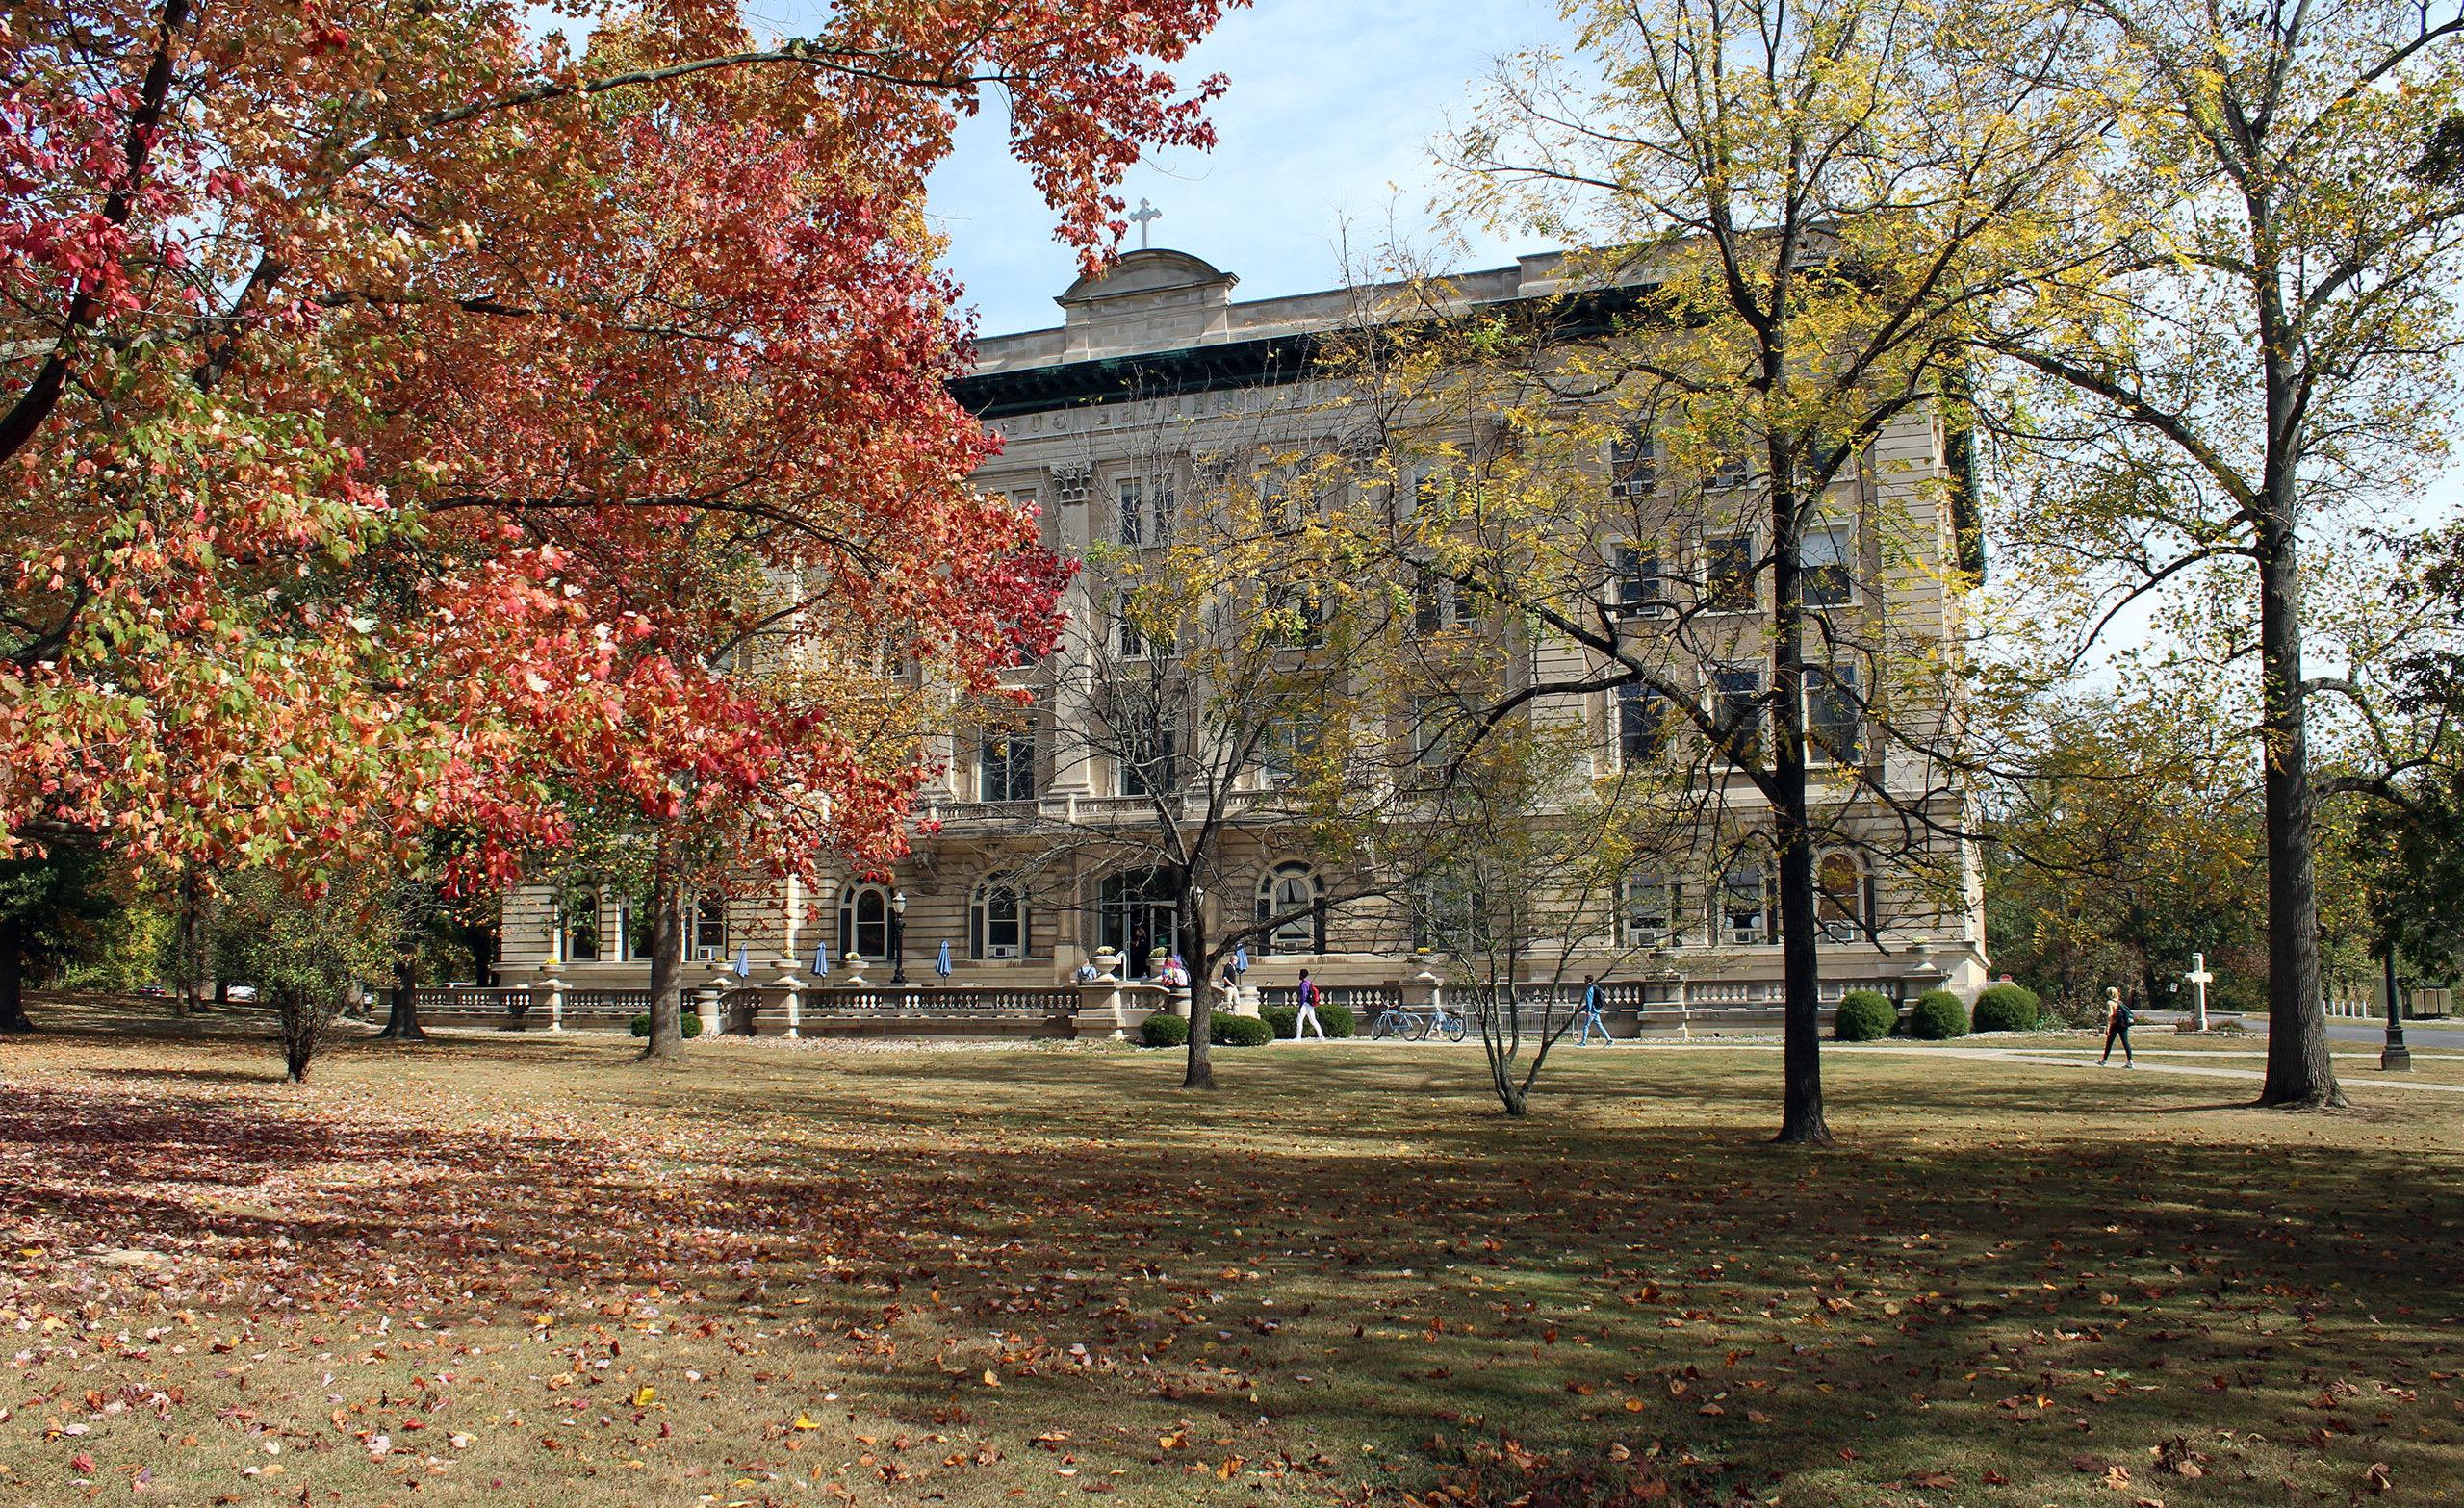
1107 420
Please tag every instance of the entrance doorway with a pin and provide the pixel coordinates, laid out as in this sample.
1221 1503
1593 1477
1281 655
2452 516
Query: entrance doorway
1135 915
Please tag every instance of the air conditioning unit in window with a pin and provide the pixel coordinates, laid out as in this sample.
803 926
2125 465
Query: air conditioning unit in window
1745 936
1001 950
1839 932
706 954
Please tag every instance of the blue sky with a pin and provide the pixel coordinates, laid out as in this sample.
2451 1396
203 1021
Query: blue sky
1324 132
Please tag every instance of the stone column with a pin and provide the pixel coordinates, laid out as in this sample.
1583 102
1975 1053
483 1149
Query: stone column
792 989
706 1000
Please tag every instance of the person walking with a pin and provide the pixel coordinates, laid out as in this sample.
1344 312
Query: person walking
1591 1021
1306 1018
2116 1029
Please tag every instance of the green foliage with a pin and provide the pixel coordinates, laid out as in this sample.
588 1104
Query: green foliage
305 947
2006 1008
690 1023
1225 1030
1938 1017
1163 1030
1338 1020
1864 1014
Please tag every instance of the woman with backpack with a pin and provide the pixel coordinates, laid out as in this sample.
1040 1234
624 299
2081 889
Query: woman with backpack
2116 1029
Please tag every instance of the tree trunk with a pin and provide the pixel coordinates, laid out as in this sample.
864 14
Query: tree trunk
1200 1074
402 1005
1800 1118
667 955
2300 1076
13 975
187 944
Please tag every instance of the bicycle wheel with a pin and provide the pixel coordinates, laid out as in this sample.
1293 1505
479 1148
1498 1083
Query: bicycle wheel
1384 1024
1419 1028
1454 1028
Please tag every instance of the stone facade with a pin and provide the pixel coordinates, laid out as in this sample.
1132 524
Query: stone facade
1158 346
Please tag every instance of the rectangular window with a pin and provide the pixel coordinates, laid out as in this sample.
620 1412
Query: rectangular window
1642 724
709 924
1826 562
1728 474
1652 906
1635 586
1633 466
1005 767
1150 760
1283 744
1296 617
1146 516
1736 704
1437 734
1728 572
582 926
1439 603
1743 909
1834 716
1129 641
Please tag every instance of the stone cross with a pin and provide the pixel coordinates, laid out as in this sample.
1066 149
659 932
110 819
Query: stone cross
2199 979
1142 216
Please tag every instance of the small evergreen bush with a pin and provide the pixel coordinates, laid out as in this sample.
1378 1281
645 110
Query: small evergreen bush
1163 1030
1864 1014
690 1024
2007 1008
1338 1020
1225 1030
1938 1016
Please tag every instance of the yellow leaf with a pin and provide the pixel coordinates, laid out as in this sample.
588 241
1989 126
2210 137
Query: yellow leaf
991 1379
645 1396
803 1420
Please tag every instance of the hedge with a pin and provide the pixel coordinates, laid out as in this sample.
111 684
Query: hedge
1225 1030
1864 1014
1163 1030
2007 1008
688 1022
1938 1015
1338 1020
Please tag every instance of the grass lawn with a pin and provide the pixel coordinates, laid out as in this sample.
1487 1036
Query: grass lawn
524 1270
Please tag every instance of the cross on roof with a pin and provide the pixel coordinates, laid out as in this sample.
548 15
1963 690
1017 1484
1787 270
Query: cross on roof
1142 216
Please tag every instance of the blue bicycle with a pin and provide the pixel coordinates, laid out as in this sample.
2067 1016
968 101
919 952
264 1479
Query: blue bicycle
1413 1025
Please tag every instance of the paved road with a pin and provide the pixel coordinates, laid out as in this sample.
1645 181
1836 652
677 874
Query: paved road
2418 1035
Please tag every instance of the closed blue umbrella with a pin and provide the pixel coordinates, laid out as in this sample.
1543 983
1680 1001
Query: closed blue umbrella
743 960
821 961
1240 958
941 964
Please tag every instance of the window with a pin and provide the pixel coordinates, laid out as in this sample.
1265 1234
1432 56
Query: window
1844 901
1653 905
1834 719
1728 572
1744 911
1283 744
1136 914
1634 465
1295 616
997 926
1642 724
1736 706
864 922
1129 640
1445 912
708 928
1826 563
1291 896
582 926
1150 759
1635 586
1437 734
1439 603
1005 767
1145 510
1728 474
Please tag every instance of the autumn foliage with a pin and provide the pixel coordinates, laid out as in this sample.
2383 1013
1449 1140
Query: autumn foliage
408 420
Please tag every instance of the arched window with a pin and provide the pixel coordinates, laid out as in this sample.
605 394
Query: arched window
706 927
864 922
1843 897
997 920
1292 897
581 907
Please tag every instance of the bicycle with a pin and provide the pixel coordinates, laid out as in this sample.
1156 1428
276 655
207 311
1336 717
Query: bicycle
1414 1027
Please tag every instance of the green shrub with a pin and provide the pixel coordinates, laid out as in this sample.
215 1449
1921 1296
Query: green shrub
1338 1020
1163 1030
690 1024
1938 1015
1226 1030
1864 1014
2007 1008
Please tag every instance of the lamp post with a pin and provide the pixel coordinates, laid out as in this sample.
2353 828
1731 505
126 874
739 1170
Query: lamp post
898 936
2394 1057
